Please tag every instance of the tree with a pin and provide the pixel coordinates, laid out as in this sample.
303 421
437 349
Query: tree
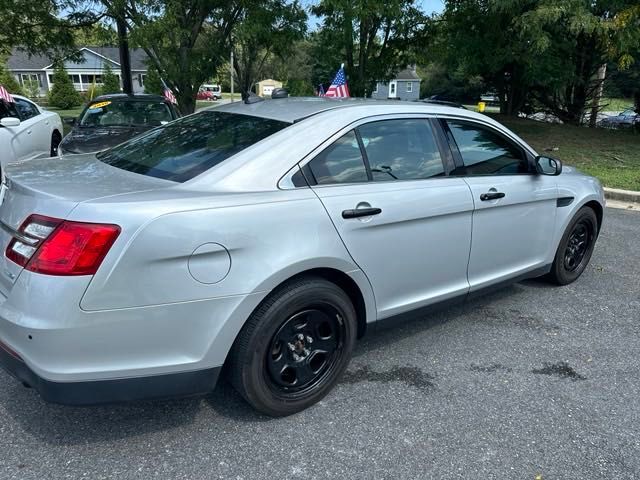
373 39
63 95
43 26
187 41
267 29
152 82
110 81
7 79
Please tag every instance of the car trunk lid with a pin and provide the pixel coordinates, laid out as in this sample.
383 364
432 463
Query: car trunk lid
53 187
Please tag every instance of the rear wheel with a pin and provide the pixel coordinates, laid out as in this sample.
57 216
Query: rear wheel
56 138
576 247
295 347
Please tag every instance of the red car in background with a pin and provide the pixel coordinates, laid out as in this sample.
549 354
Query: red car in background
209 92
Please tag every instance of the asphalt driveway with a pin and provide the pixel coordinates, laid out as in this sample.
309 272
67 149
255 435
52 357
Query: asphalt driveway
532 380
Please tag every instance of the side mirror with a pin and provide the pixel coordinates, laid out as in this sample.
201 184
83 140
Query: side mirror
70 120
10 122
548 166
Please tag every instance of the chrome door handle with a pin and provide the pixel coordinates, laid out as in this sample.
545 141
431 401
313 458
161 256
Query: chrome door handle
491 196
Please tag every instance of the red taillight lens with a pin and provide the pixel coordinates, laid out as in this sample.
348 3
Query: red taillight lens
65 248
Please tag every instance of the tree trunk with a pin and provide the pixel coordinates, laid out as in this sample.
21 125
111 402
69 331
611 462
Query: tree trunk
595 102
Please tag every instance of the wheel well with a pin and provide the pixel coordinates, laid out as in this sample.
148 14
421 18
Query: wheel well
56 134
350 287
597 208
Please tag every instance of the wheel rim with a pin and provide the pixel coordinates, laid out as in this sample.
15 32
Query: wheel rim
577 246
305 349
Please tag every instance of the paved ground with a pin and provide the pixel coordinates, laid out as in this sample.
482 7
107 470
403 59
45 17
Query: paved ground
531 380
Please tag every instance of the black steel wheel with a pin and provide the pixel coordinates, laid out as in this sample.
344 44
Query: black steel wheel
56 138
294 347
576 247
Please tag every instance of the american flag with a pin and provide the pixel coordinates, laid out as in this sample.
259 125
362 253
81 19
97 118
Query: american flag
339 86
168 94
5 95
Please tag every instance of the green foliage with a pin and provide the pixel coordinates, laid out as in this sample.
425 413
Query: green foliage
31 88
267 29
62 95
187 40
299 88
93 91
8 80
373 39
110 81
152 82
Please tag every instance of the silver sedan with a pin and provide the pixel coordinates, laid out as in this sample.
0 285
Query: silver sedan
262 239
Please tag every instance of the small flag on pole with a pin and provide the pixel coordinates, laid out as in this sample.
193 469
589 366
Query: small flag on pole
168 94
339 86
5 95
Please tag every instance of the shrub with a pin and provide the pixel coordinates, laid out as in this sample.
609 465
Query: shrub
152 82
110 81
8 80
63 95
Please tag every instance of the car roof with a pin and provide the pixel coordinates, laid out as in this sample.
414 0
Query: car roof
136 97
295 109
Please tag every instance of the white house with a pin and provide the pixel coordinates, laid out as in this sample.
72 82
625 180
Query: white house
40 67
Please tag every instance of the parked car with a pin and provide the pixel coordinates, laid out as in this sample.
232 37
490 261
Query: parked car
112 119
490 98
625 119
209 92
252 238
27 131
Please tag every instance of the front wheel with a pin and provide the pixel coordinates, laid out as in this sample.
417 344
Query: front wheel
294 347
576 247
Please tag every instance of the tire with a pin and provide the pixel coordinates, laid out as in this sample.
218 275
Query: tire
56 138
294 347
572 257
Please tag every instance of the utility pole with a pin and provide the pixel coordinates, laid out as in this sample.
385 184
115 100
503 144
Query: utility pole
125 59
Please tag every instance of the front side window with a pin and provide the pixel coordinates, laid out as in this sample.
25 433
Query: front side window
485 152
191 145
403 149
124 114
26 109
341 162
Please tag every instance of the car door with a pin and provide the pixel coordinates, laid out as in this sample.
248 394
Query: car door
32 137
515 209
404 222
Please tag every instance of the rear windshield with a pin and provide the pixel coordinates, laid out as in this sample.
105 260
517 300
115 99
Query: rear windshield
125 114
191 145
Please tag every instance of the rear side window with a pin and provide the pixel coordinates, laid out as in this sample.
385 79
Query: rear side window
485 152
8 110
191 145
341 162
403 149
26 109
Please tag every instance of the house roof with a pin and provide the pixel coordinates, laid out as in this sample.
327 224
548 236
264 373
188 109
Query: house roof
407 74
21 60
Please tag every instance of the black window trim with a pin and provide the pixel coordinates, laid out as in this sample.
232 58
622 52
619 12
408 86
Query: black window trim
457 156
445 153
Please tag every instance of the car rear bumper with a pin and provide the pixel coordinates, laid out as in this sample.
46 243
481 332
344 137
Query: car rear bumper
113 390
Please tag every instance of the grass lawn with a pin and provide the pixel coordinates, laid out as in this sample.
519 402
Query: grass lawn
613 156
616 104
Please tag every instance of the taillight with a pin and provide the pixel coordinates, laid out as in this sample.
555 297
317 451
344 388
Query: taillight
59 247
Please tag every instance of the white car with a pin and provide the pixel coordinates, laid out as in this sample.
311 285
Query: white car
27 131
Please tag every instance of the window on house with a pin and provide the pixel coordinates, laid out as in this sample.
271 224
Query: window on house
30 77
375 89
409 87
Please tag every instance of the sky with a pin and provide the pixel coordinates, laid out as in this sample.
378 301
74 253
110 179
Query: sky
428 6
